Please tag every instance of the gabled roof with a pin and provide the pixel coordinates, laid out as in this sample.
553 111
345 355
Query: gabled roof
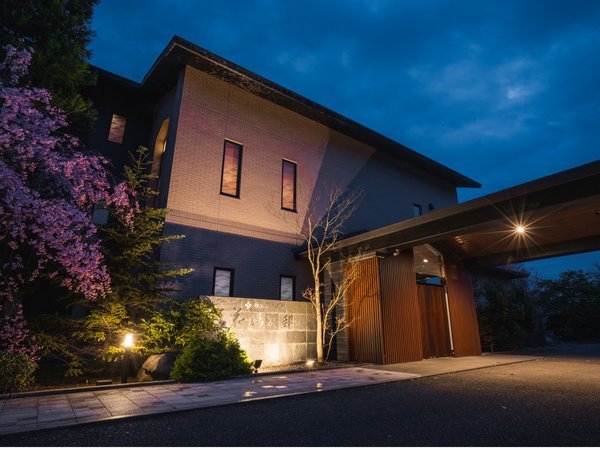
180 52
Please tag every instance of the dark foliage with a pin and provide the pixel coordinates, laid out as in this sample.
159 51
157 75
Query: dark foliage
572 304
506 312
58 32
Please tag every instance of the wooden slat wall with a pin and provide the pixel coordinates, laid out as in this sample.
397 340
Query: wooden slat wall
363 309
400 309
461 302
434 321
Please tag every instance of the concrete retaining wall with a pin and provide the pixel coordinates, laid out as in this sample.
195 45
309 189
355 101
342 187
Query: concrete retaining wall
276 331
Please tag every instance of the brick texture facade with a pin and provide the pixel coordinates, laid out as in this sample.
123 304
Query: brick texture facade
251 234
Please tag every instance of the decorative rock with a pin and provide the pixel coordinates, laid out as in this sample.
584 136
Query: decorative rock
157 367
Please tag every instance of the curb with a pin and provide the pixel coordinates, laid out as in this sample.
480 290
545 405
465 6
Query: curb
75 390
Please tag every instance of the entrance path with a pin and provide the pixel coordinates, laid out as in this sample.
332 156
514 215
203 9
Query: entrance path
63 409
57 410
439 366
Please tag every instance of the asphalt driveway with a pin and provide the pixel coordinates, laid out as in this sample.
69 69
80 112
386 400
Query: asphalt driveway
554 401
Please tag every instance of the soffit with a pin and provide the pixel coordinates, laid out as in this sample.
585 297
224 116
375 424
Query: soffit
561 215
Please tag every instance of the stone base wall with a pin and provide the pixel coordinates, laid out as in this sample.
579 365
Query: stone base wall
275 331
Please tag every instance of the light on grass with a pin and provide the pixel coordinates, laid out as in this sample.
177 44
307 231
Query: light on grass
310 363
128 342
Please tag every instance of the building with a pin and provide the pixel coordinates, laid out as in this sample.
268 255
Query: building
242 162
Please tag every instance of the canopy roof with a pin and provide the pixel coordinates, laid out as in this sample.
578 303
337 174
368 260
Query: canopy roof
559 215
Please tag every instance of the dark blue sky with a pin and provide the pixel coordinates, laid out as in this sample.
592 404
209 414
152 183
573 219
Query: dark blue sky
502 92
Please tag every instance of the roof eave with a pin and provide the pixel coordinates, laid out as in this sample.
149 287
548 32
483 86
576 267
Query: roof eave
306 107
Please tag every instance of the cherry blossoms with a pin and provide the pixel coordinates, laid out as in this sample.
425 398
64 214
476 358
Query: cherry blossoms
49 185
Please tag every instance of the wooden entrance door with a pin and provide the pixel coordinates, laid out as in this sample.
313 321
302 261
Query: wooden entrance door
434 321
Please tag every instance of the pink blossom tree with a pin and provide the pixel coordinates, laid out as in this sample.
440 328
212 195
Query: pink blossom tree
49 185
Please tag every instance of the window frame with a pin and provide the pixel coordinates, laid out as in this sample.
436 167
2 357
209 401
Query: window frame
295 164
108 139
231 279
239 172
293 277
420 208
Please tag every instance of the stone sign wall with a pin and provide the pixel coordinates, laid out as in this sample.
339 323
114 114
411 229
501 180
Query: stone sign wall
275 331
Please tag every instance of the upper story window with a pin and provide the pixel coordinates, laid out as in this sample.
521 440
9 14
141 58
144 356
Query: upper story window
288 186
232 169
286 287
223 282
117 129
417 210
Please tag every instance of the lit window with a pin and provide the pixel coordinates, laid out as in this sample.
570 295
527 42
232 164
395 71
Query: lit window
223 282
230 176
288 186
117 129
417 210
286 287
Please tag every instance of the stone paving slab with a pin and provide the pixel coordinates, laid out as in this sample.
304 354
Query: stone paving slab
36 413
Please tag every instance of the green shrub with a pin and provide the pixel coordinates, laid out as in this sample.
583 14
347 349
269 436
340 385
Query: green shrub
16 371
179 323
206 359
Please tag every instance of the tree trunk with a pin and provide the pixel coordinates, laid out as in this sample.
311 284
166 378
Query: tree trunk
319 335
318 313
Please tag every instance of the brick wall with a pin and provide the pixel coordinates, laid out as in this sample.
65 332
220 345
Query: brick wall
251 234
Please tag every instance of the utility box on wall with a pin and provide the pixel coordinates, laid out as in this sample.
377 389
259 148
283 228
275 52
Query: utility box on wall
274 331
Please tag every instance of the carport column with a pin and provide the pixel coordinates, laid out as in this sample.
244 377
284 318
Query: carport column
446 301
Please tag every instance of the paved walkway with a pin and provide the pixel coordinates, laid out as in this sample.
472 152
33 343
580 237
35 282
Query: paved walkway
35 413
56 410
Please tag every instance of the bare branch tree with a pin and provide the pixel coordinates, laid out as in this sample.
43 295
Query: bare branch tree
322 232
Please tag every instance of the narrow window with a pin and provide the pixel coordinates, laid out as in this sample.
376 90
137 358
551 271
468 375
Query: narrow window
223 282
117 129
417 210
288 186
286 287
232 164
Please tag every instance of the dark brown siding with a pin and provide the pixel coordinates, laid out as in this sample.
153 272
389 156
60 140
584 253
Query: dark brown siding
364 314
434 321
400 309
465 331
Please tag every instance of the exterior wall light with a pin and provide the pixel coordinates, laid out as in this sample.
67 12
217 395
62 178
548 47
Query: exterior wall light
520 229
127 344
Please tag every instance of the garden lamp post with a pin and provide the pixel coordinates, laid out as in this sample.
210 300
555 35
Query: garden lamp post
127 344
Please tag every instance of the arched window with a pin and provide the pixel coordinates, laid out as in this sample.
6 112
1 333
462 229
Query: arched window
160 146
